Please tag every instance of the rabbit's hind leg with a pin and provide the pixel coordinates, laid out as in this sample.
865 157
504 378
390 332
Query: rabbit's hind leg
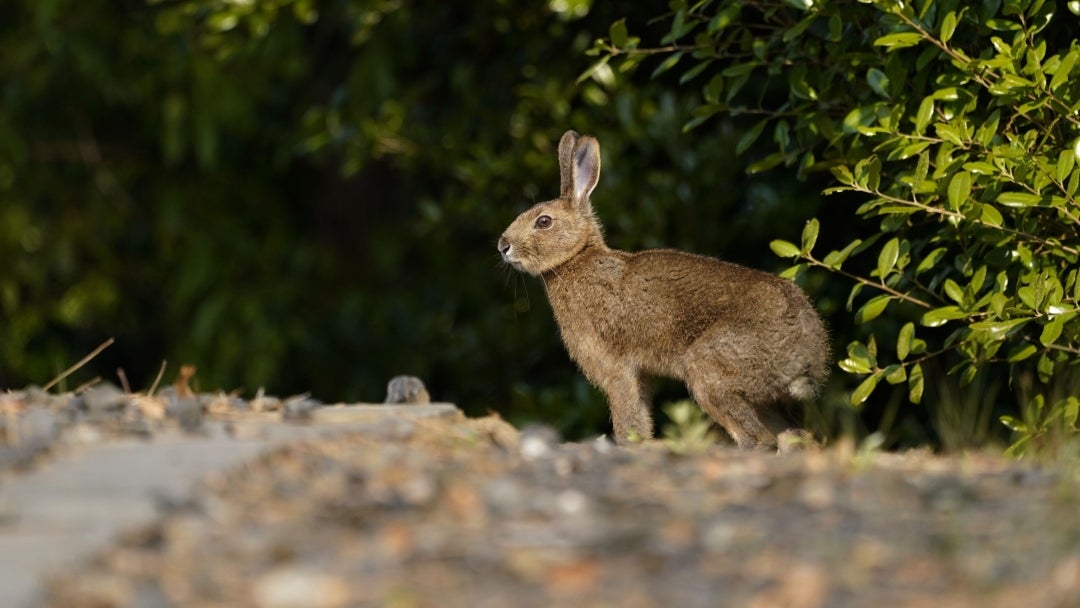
731 410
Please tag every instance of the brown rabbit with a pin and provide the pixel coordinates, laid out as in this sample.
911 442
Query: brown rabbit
746 343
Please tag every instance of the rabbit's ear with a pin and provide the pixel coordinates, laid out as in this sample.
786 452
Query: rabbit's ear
566 164
585 169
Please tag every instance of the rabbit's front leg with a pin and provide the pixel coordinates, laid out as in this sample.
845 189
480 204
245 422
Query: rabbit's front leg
627 395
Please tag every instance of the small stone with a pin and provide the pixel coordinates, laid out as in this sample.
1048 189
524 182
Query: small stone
296 588
407 389
103 399
571 502
538 441
299 407
38 427
187 411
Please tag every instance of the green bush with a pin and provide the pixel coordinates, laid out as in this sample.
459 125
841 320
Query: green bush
955 129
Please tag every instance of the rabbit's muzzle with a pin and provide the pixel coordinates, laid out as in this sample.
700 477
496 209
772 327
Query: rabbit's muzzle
507 252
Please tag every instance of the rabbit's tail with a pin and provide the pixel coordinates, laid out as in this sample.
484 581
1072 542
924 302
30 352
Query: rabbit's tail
802 388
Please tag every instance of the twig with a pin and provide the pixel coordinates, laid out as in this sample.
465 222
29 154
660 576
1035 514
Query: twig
67 372
123 380
161 372
85 385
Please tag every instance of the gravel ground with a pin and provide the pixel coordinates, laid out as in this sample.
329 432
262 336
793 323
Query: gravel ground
471 512
34 422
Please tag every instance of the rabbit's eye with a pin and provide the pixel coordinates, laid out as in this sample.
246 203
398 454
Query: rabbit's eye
544 221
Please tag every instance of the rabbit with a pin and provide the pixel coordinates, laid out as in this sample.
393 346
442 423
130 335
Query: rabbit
747 344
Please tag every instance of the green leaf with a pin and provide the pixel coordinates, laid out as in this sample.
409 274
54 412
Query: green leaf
948 26
940 316
618 33
861 352
724 18
713 89
693 72
593 69
766 163
1066 161
835 259
750 136
999 330
1052 330
792 273
1018 199
959 189
915 383
1028 296
784 249
954 291
878 81
982 168
904 341
872 309
843 174
887 257
809 235
1061 75
1013 424
1045 368
930 260
666 64
926 112
868 173
990 215
865 388
895 373
1021 352
998 301
855 366
900 40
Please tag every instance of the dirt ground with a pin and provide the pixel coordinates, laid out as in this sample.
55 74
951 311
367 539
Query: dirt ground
473 513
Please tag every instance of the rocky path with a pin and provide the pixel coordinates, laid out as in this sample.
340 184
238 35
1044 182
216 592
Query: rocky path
414 512
78 471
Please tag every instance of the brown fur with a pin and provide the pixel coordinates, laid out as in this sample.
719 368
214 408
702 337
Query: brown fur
745 342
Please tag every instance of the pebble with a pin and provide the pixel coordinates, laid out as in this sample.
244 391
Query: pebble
299 407
187 411
38 427
537 441
299 588
103 399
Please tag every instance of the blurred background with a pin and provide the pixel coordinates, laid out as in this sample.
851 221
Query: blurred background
305 196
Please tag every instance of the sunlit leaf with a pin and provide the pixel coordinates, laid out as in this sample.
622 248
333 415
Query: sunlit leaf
959 189
784 249
872 309
915 383
1052 330
899 40
809 235
948 27
887 257
1018 199
867 386
940 316
904 341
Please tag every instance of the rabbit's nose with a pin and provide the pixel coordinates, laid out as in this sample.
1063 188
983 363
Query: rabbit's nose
504 245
